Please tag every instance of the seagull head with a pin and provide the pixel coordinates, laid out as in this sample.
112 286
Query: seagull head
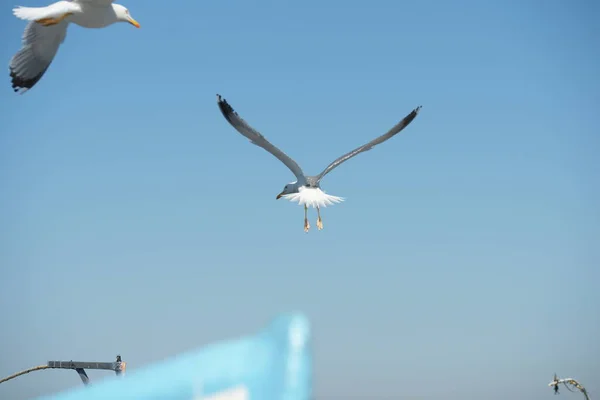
123 15
288 189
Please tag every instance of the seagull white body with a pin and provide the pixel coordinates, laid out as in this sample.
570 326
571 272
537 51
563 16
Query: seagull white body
306 190
47 29
309 196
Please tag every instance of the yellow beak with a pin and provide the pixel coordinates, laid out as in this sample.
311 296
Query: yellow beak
134 22
279 196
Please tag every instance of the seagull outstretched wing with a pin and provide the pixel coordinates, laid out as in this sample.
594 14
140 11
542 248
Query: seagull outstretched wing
396 129
40 45
256 138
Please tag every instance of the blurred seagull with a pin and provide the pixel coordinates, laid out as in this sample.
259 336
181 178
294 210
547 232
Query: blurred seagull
47 29
306 190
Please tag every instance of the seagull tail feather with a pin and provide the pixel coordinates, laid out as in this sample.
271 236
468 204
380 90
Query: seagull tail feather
27 13
52 11
313 198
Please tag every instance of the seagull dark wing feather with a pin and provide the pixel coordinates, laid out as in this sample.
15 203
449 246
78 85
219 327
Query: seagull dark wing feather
395 130
40 45
256 138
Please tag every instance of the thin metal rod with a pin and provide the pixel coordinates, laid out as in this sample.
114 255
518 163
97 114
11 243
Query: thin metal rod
84 378
38 368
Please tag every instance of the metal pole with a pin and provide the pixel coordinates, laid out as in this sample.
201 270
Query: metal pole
84 378
118 366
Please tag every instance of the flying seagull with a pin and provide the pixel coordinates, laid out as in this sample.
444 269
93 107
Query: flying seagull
47 29
306 190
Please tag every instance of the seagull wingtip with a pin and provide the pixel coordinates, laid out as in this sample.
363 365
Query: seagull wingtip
220 99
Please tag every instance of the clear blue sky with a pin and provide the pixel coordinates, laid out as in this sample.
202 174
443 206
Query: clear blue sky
463 264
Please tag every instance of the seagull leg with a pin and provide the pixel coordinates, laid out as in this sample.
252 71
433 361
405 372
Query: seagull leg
306 224
52 21
319 220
